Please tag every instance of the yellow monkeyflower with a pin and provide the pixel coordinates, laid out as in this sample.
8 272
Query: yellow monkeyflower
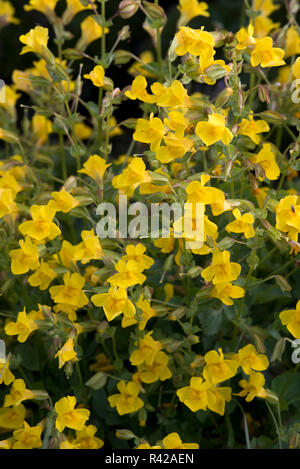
217 368
136 253
249 359
18 393
44 6
266 7
42 127
138 67
138 90
174 148
86 439
189 9
173 441
174 96
147 351
254 387
221 270
178 122
195 42
63 201
131 177
68 416
263 26
291 319
204 395
11 97
96 76
6 375
127 401
41 227
214 130
89 249
241 224
265 55
66 353
128 274
27 437
13 417
292 46
7 12
158 370
71 292
74 7
82 131
95 167
90 32
288 216
149 131
147 312
245 37
267 160
226 291
7 204
114 303
42 277
22 327
251 128
24 259
36 40
199 192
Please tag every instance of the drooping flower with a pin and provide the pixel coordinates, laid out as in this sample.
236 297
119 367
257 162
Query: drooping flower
127 401
68 416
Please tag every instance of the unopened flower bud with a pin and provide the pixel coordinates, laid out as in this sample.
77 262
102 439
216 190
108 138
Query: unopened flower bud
125 434
155 12
122 57
128 8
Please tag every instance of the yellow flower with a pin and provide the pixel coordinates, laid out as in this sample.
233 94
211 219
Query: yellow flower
114 303
199 193
217 368
7 12
28 437
173 441
102 363
89 249
249 359
132 176
13 417
252 128
22 327
74 7
177 122
82 131
90 32
174 148
7 204
226 291
44 6
66 353
195 42
288 216
41 227
254 387
221 270
95 167
189 9
265 55
42 127
266 7
18 393
267 160
11 97
137 68
292 46
68 416
127 401
24 259
241 224
36 40
128 275
263 26
86 439
214 130
149 131
245 37
147 351
71 292
42 277
63 201
6 444
96 76
203 394
158 370
138 90
174 96
291 319
6 375
147 312
136 253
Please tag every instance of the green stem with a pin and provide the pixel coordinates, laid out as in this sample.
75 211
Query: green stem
63 163
275 424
